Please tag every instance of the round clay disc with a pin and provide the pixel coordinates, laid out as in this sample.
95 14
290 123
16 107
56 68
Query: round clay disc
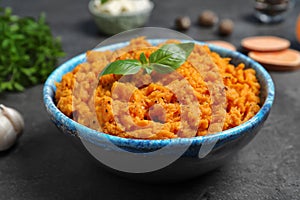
221 43
276 68
298 28
288 59
265 43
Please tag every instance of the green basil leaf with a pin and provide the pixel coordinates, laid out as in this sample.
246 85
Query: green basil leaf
122 67
143 59
173 55
161 68
149 69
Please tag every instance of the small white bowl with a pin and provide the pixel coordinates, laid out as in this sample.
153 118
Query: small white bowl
113 24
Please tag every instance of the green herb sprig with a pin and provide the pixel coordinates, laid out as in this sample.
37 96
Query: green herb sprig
164 60
104 1
28 51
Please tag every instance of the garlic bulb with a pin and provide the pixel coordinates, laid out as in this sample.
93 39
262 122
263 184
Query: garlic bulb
11 126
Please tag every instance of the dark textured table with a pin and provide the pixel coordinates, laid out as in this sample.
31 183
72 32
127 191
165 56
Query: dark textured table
45 164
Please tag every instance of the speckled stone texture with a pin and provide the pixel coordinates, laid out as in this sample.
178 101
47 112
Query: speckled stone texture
45 164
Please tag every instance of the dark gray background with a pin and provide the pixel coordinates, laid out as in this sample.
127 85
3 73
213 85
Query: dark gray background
45 164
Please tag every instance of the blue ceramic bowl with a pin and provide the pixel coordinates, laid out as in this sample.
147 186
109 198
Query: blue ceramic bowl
189 164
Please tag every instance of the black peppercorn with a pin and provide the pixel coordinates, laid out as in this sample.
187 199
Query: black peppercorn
226 27
207 18
183 23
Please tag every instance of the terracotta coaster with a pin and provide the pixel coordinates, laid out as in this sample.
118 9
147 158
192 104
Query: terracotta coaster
287 59
298 28
271 67
265 43
224 44
276 68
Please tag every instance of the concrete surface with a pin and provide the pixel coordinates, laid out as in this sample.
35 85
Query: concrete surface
45 164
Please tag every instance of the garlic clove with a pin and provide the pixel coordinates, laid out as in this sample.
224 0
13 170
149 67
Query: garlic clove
8 134
11 126
14 117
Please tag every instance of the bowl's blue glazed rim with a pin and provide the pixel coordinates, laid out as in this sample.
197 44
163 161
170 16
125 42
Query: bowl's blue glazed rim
93 136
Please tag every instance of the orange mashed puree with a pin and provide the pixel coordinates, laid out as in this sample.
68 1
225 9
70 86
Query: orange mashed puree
153 107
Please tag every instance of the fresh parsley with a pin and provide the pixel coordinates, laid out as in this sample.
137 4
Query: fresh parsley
104 1
28 51
164 60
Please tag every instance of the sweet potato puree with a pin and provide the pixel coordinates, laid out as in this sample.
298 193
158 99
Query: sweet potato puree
151 105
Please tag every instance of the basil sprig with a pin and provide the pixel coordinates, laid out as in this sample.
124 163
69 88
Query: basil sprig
164 60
